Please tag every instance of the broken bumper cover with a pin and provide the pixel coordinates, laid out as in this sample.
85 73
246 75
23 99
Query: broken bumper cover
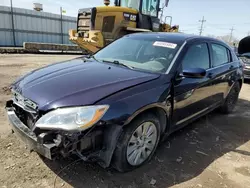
28 136
97 145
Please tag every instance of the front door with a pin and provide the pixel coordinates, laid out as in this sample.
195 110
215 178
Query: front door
192 95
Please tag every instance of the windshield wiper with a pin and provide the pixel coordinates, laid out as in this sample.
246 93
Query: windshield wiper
118 63
90 56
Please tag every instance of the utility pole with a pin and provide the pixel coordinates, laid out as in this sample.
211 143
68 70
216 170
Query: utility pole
12 22
248 34
61 11
202 24
231 34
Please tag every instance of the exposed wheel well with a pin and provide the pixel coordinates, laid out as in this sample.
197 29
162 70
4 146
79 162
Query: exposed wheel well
160 114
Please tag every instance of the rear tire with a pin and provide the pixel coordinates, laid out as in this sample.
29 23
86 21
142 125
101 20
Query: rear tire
231 99
137 143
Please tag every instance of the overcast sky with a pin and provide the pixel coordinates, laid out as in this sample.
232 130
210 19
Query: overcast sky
220 15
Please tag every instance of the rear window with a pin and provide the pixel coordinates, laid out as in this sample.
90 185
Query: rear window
220 55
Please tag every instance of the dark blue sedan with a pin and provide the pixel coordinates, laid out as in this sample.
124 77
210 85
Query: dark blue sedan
116 106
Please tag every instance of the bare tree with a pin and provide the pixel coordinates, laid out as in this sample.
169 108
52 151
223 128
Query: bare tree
226 39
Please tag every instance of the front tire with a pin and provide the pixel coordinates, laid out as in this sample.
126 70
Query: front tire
137 143
231 99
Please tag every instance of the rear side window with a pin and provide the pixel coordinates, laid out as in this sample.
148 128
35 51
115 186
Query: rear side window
234 56
197 56
220 55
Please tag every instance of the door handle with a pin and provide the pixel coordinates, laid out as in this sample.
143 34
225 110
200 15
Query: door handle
231 67
210 75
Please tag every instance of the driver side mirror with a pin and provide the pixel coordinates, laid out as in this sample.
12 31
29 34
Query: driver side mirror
193 73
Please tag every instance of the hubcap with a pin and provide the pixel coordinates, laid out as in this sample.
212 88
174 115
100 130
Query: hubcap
141 143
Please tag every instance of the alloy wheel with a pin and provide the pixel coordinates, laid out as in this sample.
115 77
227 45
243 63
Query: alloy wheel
141 143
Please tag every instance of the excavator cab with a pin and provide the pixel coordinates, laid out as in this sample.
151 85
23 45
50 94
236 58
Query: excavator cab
148 12
98 26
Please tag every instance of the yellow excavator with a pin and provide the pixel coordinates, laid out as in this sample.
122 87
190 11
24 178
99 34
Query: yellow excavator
98 26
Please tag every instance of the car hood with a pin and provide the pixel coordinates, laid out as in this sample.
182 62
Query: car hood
76 83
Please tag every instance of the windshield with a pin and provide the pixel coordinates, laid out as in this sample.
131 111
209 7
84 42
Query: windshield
135 4
149 7
148 55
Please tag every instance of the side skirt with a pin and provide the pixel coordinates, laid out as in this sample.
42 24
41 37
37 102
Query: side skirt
192 118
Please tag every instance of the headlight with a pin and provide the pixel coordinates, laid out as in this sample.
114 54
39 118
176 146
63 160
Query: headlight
72 119
85 23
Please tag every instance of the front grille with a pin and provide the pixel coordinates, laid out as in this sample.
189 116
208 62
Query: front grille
27 118
25 109
84 22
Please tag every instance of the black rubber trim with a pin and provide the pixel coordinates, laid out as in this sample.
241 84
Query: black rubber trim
93 16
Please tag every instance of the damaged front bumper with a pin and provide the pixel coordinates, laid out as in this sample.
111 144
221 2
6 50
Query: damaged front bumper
95 145
29 137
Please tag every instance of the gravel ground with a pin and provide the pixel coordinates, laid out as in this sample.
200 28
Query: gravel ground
211 152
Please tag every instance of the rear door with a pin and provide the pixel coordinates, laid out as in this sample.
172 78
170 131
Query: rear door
221 72
192 96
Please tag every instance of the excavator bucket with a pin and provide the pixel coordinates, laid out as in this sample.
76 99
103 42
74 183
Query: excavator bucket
92 43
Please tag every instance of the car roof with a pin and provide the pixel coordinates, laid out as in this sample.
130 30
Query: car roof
178 38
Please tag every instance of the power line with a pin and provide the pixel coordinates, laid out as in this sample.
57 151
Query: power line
218 28
202 24
226 24
196 26
231 34
191 24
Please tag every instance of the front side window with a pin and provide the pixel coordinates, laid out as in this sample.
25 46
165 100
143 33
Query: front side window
149 7
144 54
219 55
197 56
135 4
